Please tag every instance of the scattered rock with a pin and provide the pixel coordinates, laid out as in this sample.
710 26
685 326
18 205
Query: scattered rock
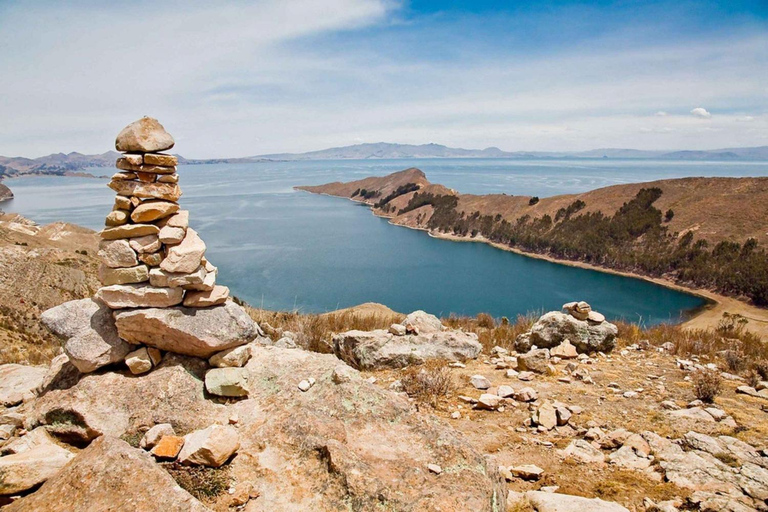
534 361
526 472
564 351
397 330
231 382
29 468
168 447
18 382
434 468
526 395
155 434
233 357
583 451
480 382
488 401
545 416
212 446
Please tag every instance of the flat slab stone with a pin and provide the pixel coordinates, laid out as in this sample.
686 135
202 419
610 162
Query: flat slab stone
166 191
160 159
117 254
146 135
139 296
186 256
129 231
194 332
18 380
161 278
109 276
204 299
150 211
88 326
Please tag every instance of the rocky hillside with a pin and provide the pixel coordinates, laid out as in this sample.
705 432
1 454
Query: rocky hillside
5 193
40 267
702 232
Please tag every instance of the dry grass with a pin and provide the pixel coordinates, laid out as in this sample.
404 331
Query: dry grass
742 345
491 332
429 382
315 332
204 483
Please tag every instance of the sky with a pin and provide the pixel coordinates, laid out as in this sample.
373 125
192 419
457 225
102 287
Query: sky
241 78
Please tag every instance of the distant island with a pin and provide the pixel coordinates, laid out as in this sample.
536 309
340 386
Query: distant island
699 233
65 164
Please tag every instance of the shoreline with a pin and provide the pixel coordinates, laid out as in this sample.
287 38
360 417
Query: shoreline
706 317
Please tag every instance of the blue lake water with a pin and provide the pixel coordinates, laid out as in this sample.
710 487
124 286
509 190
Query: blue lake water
284 249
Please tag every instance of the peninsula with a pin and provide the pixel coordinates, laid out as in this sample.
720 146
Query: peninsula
679 232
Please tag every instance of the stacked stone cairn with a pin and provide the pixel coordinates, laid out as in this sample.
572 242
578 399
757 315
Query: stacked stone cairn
150 256
159 291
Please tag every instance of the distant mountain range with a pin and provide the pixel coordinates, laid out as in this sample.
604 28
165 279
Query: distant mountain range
387 150
76 163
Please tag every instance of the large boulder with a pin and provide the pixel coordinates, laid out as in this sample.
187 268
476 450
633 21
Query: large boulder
346 440
146 135
343 441
117 403
22 471
382 349
420 322
555 327
110 475
18 382
189 331
88 326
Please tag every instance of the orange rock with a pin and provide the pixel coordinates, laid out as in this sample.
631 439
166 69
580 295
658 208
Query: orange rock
168 448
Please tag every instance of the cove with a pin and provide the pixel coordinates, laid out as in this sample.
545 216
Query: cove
282 249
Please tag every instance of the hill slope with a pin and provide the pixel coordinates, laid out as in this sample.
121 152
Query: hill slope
699 232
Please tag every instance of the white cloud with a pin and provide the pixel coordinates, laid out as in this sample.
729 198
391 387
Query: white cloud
745 119
661 113
247 78
701 113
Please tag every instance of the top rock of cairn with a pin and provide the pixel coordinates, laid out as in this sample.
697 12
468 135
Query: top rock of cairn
146 135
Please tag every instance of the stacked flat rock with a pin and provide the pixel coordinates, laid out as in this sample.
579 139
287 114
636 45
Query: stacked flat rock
150 256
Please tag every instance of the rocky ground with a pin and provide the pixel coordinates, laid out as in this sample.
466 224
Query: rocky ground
272 426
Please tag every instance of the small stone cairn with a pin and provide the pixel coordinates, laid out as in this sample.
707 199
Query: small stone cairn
150 256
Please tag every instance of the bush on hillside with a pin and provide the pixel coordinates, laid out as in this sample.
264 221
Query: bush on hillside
707 384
